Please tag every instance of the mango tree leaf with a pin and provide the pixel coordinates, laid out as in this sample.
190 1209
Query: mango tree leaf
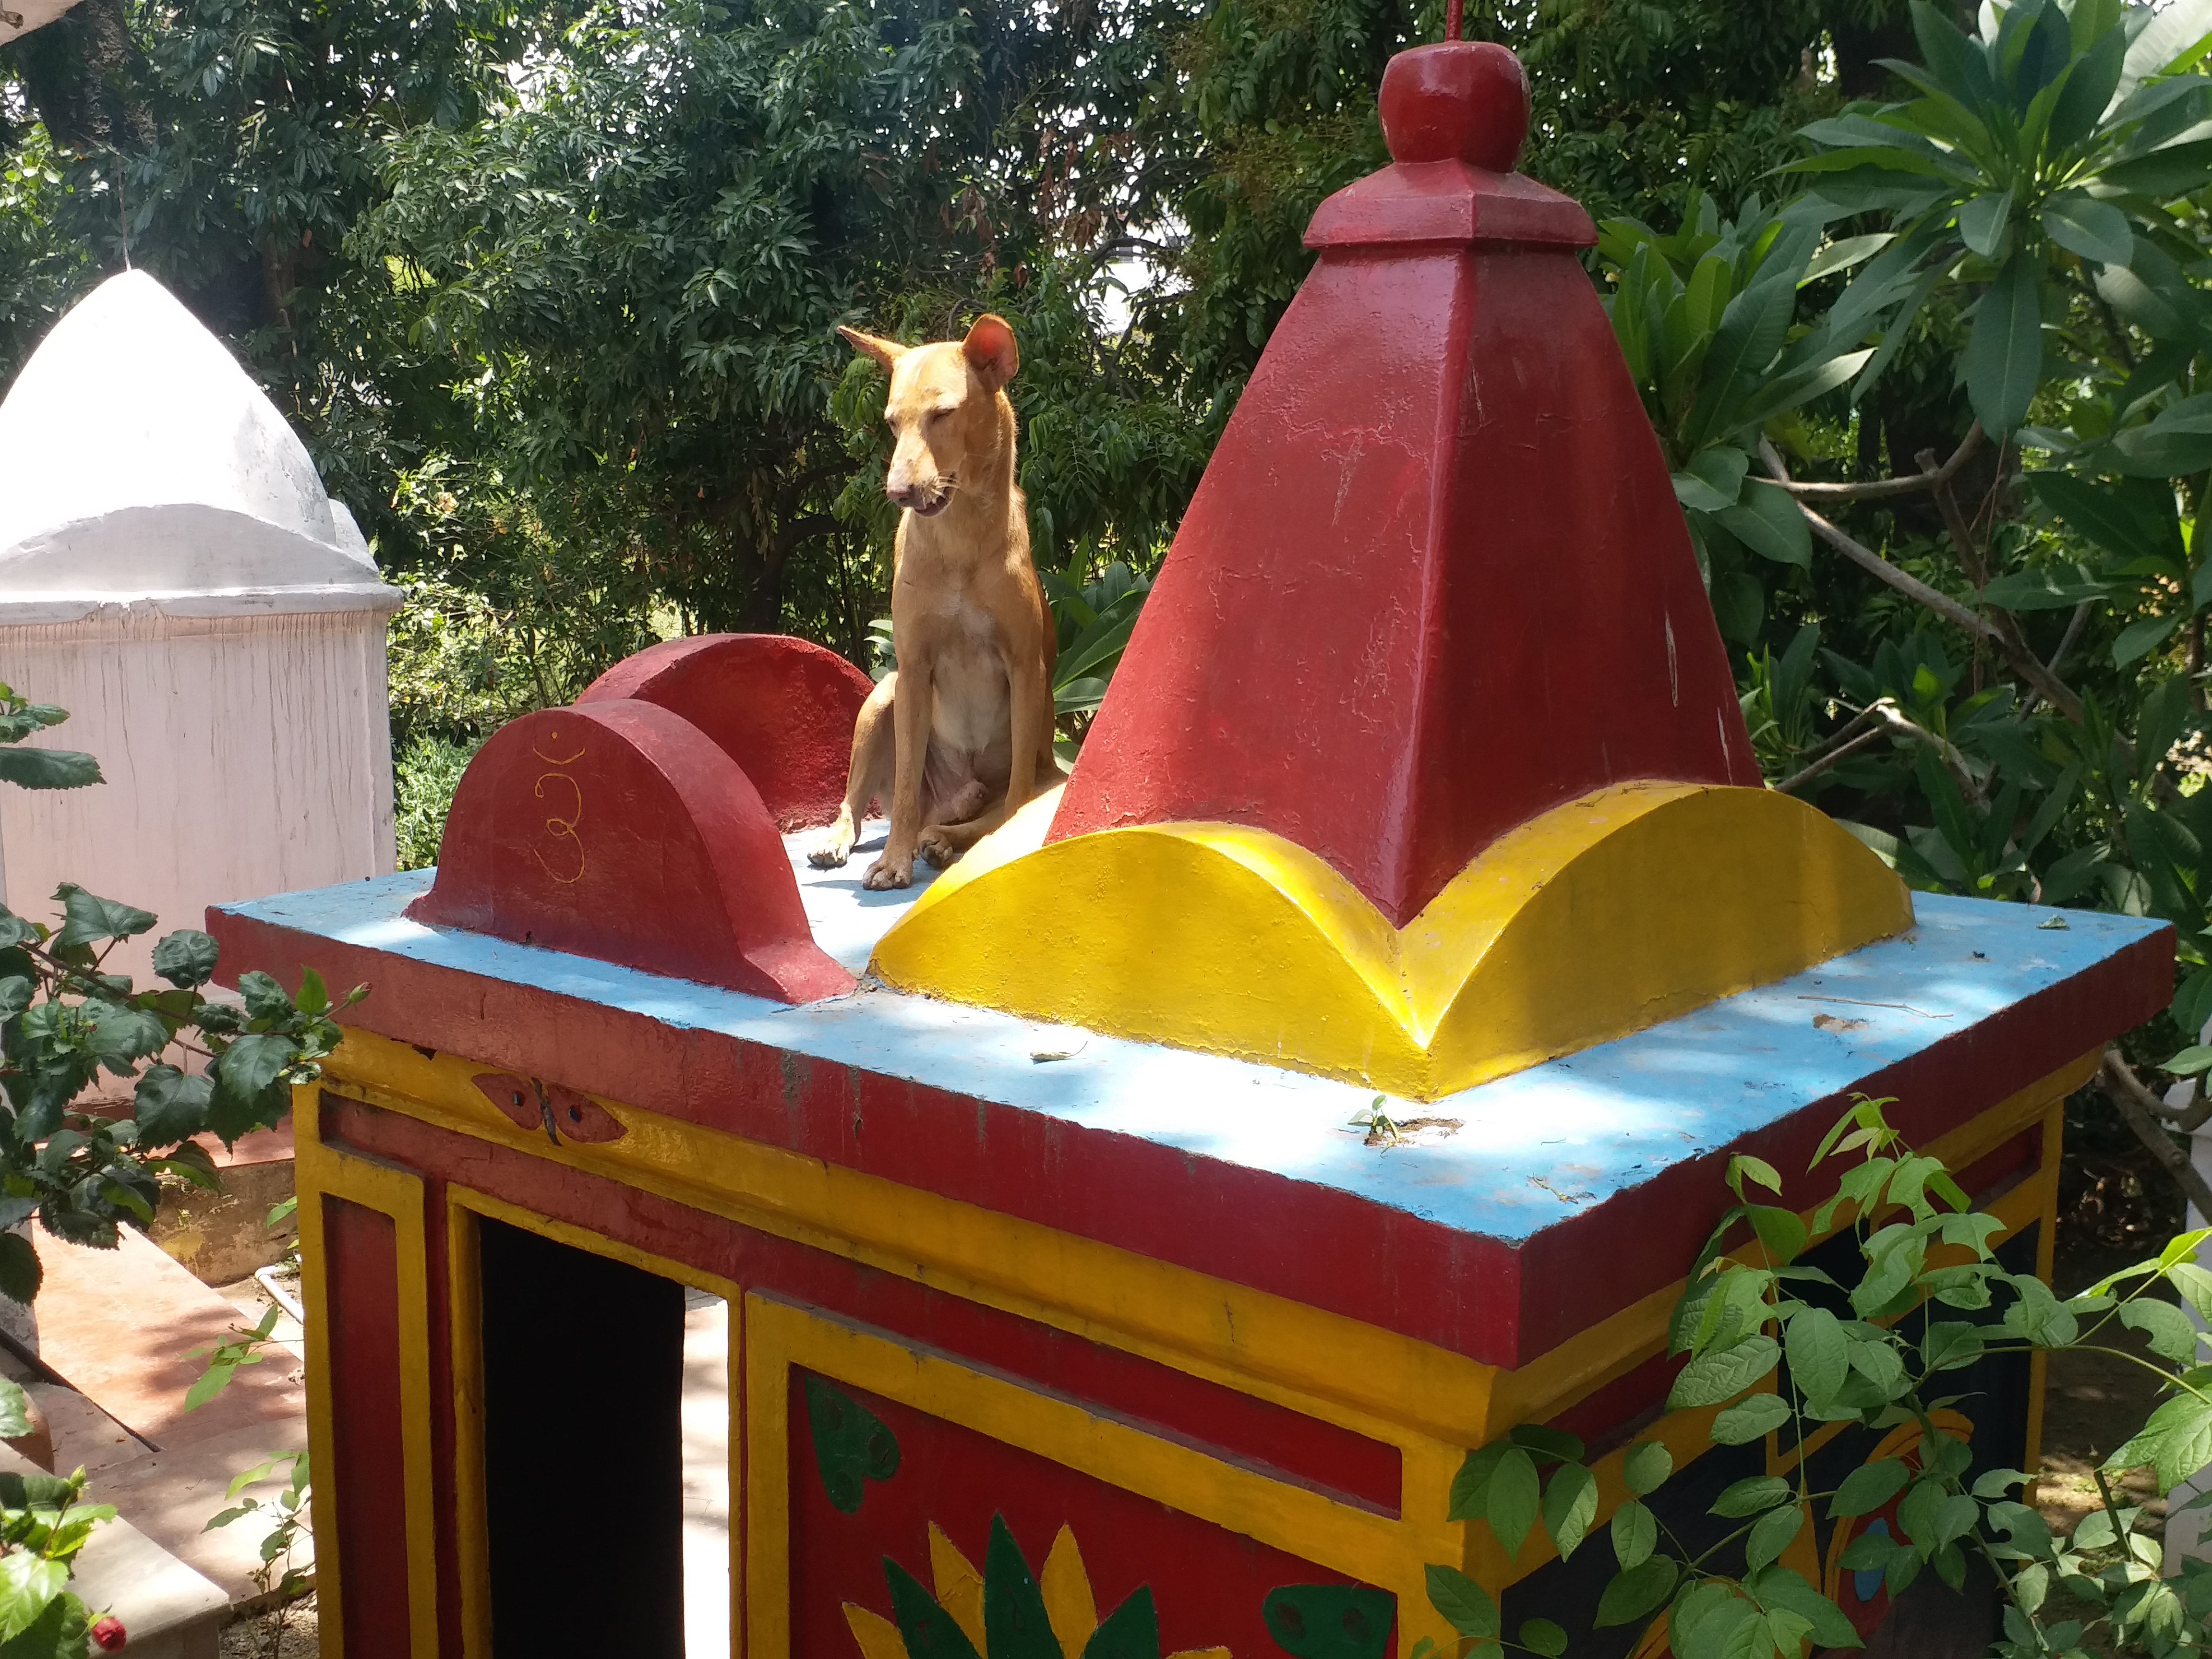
1714 476
2134 519
2141 637
1769 522
2095 230
1983 220
2004 352
2048 587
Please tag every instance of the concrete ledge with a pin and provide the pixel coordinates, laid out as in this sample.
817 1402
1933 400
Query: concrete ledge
168 1611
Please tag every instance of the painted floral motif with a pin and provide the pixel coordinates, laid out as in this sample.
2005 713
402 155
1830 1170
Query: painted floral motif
1005 1612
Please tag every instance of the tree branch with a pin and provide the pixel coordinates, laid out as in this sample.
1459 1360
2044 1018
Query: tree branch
1886 489
2023 661
2137 1106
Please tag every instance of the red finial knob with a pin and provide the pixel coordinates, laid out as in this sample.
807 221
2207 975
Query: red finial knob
1463 100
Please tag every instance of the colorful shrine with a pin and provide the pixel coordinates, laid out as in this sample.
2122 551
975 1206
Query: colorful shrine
1051 1248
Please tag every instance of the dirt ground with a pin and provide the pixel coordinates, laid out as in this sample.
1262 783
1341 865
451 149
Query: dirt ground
281 1633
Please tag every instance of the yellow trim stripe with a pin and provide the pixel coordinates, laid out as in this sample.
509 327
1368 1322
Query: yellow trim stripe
779 1334
321 1172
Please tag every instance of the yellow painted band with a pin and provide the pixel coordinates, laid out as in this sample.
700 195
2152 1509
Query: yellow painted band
320 1172
1575 928
1394 1389
1385 1553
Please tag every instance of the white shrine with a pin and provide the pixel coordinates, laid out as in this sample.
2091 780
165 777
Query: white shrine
172 573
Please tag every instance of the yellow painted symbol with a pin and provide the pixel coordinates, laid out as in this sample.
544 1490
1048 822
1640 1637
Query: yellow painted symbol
558 828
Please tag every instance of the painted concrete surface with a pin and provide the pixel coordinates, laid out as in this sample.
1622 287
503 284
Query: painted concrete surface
172 573
142 464
1549 1142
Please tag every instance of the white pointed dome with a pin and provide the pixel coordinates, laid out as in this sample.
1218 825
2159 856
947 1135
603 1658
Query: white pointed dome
139 463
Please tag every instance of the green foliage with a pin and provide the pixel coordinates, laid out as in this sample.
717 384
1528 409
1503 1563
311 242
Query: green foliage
1852 1355
42 1527
286 1517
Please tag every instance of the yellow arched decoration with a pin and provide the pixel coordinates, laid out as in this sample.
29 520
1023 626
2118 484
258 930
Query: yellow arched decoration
1600 917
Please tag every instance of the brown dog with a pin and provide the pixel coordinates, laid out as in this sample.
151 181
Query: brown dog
961 734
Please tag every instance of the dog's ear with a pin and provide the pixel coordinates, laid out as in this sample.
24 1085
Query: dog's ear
991 351
886 352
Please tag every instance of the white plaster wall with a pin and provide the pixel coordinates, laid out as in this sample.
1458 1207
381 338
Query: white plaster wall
246 754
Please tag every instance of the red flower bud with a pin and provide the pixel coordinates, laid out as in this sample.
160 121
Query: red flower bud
110 1635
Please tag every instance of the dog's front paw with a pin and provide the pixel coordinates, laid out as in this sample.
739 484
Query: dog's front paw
939 848
831 853
887 873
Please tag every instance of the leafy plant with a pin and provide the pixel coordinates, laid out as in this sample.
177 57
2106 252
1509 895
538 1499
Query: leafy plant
278 1577
2041 152
1782 1347
1705 317
43 1525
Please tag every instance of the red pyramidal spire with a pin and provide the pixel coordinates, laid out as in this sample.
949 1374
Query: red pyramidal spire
1435 580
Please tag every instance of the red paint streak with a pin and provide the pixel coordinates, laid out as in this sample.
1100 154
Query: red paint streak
782 709
1467 1292
369 1486
1207 1583
1164 1400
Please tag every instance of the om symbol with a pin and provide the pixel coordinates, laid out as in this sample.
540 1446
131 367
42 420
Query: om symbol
558 828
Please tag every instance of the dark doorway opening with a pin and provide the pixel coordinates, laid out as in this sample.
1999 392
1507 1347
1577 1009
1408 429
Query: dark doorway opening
583 1375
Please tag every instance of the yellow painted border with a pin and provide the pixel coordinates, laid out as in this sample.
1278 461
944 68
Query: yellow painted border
1562 932
1429 1403
1389 1388
320 1172
464 1206
779 1334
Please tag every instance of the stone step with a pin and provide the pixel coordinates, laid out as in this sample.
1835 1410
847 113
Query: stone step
168 1610
120 1327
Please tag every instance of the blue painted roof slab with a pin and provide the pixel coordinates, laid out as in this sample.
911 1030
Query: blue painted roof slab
1557 1140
